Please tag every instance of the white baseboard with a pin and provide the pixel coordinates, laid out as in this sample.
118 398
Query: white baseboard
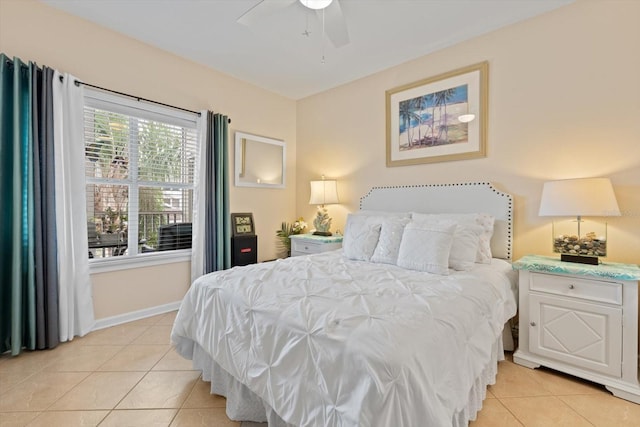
135 315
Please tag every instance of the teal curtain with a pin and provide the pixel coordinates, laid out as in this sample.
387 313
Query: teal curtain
217 248
20 90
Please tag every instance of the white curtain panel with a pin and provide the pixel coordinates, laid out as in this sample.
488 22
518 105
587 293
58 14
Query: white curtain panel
199 173
75 293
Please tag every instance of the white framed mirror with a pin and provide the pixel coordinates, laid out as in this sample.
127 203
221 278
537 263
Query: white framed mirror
259 161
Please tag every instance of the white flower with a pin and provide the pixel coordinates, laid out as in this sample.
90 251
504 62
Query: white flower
299 226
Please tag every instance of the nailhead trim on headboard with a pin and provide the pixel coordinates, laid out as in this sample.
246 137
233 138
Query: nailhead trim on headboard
483 184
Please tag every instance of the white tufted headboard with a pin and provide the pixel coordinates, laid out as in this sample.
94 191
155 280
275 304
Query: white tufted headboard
476 197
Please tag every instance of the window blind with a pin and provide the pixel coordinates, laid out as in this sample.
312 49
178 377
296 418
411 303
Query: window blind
139 167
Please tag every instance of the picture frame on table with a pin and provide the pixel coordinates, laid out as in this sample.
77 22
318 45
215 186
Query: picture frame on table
242 224
438 119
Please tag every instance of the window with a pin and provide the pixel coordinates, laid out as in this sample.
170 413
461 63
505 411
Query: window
139 161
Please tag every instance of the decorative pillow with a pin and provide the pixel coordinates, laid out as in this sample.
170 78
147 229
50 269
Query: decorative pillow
464 248
426 247
386 251
486 221
360 237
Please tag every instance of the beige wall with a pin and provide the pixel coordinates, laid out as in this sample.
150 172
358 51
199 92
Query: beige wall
34 31
564 102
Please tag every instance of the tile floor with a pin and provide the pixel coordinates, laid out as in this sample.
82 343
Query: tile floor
128 375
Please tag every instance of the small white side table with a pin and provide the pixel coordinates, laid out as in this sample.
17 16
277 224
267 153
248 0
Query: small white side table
580 319
305 244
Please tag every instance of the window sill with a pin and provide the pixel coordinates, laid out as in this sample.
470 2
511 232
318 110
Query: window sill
138 261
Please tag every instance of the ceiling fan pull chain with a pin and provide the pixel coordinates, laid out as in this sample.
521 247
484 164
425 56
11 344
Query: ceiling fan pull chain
306 32
323 37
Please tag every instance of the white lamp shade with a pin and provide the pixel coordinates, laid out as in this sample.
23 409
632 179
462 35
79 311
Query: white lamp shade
579 197
324 192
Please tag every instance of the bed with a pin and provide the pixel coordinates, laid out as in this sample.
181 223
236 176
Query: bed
354 338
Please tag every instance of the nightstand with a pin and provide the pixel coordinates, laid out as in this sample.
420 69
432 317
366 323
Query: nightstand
580 319
305 244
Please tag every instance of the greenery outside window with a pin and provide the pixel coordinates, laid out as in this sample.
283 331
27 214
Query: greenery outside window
139 162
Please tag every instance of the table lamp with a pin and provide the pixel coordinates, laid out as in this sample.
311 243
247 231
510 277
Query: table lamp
324 192
591 197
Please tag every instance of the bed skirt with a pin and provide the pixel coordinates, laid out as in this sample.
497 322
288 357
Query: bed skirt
244 405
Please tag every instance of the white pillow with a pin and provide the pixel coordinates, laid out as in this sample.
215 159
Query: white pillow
426 247
464 248
386 251
486 221
360 237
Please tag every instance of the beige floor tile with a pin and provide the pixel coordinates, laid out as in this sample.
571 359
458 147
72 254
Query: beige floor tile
172 361
100 390
490 395
136 358
116 335
161 389
16 419
140 417
10 379
158 334
168 318
40 391
69 418
203 417
516 381
494 414
544 411
27 361
559 383
201 397
605 410
82 358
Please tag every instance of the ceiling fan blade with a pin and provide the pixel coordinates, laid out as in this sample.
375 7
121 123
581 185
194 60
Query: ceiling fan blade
335 26
261 9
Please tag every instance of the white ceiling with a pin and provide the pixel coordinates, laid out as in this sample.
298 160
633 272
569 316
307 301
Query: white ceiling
273 54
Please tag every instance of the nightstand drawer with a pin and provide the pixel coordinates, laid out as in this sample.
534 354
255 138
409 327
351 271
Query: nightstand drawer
306 246
587 289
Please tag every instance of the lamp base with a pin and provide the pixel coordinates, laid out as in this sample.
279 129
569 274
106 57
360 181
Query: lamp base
322 233
591 260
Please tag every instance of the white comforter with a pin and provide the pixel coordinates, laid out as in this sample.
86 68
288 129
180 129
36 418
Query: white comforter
326 341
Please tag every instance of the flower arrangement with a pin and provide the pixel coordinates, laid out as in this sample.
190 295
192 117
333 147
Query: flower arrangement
286 230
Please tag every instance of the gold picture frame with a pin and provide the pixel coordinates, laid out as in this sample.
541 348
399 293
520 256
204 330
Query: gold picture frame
439 119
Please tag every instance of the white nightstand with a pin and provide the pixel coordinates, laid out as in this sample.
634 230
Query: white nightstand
305 244
582 320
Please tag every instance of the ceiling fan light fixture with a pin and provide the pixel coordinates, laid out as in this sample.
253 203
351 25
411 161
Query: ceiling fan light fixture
316 4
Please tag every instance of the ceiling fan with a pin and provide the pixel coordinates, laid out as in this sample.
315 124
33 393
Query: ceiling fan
335 26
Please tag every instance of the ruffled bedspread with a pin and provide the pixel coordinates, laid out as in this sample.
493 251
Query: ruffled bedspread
326 341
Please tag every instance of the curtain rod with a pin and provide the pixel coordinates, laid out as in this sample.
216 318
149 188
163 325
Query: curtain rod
78 83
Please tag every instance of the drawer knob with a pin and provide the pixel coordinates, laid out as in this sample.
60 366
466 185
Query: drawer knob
571 287
533 323
306 248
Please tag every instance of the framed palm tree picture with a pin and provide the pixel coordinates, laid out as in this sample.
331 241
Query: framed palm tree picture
438 119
